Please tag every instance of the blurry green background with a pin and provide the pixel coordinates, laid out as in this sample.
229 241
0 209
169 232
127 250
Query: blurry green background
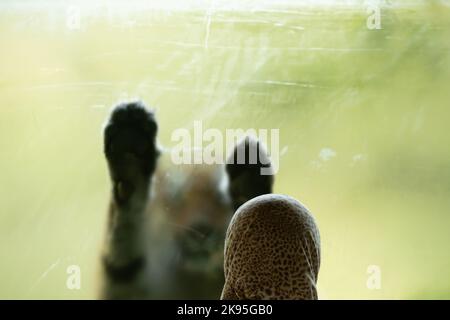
363 118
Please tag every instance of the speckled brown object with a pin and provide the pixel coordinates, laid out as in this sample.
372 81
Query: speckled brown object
272 251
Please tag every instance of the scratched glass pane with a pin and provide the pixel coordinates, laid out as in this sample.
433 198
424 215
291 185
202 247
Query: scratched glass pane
362 112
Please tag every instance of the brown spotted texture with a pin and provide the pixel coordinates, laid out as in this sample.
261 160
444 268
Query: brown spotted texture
272 251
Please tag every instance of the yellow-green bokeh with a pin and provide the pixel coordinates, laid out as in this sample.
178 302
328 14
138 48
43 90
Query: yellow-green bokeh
379 100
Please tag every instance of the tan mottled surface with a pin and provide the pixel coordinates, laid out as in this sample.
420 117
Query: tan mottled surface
272 251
